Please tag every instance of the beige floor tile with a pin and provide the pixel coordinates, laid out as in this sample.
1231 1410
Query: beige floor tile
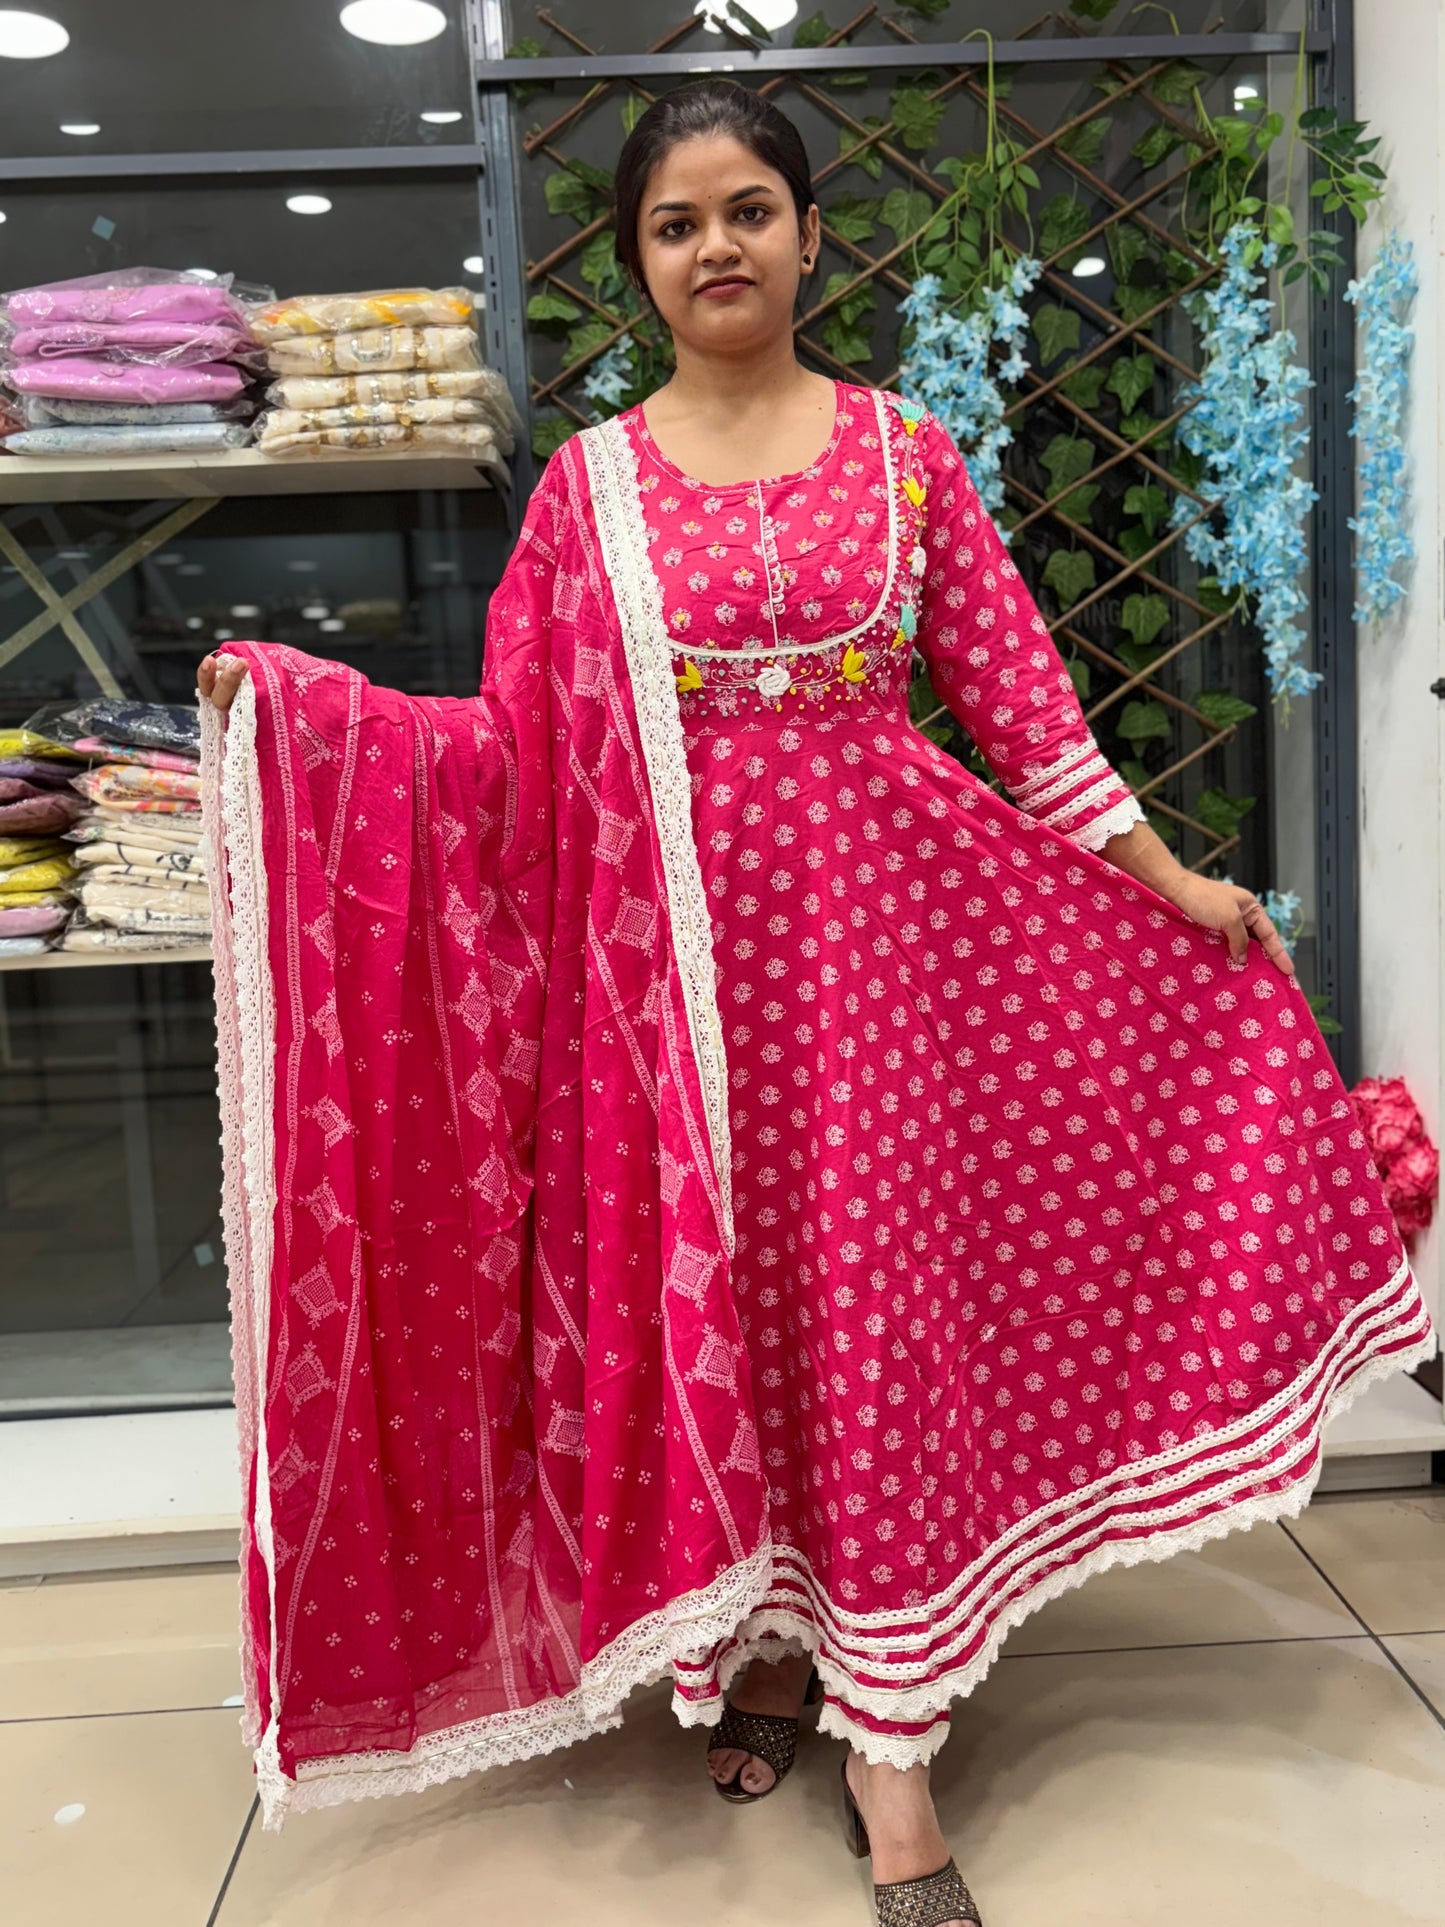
165 1798
1423 1658
1386 1553
1262 1786
129 1643
1252 1585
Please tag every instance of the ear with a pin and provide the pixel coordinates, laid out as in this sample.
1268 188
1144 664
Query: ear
809 239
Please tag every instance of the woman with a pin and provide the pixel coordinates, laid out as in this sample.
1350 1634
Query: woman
836 1211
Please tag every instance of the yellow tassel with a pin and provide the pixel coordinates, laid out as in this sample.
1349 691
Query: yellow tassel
899 638
854 666
909 426
915 491
691 678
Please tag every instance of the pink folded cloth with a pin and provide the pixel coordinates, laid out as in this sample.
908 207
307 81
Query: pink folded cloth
117 782
148 301
174 342
80 378
33 920
130 753
13 788
40 815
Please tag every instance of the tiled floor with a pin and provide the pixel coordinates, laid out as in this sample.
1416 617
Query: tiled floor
1249 1737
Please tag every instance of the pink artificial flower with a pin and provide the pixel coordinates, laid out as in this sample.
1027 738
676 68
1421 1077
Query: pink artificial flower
1403 1154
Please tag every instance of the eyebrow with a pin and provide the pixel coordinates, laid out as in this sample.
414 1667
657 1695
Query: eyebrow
684 207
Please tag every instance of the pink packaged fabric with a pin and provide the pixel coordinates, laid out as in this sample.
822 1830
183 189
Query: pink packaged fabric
193 302
129 753
82 378
40 815
33 920
117 782
178 343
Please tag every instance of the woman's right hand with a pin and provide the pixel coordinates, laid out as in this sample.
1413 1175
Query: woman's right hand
219 677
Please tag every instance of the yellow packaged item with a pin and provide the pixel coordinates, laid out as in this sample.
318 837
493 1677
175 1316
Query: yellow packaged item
25 742
47 875
27 849
341 314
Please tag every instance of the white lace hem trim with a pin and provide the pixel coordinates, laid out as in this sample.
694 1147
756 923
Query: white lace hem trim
1114 822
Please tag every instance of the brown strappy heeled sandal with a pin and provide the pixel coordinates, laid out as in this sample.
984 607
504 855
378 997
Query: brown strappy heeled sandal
928 1902
769 1737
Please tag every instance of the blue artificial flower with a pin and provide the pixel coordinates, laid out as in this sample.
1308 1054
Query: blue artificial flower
946 367
1247 423
1284 911
610 376
1383 543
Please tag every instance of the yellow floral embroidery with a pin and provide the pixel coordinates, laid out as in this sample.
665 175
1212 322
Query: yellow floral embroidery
854 666
915 491
691 678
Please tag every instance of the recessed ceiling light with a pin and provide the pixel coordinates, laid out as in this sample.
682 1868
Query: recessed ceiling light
30 36
300 568
332 624
223 635
771 14
442 116
67 1816
1245 91
2 216
71 555
169 561
316 611
202 274
473 264
244 609
80 128
191 568
1089 264
309 204
393 23
195 622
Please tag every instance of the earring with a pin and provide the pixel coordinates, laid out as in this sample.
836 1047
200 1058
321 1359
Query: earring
807 260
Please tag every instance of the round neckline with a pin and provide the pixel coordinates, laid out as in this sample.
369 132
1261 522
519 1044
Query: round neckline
669 467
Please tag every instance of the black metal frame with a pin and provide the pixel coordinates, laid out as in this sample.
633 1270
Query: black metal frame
1329 45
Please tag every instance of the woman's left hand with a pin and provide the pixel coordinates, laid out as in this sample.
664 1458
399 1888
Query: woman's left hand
1237 912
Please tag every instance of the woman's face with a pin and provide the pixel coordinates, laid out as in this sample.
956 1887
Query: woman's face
721 245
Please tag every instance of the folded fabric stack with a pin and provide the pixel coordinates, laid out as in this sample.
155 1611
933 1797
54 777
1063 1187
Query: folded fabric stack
140 867
137 366
37 870
401 370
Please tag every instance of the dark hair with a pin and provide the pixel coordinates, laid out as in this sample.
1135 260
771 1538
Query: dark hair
704 107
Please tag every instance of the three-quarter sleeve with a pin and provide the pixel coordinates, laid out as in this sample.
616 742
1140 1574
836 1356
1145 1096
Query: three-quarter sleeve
994 664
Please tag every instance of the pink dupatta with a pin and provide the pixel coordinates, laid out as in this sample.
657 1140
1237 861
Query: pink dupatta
498 1458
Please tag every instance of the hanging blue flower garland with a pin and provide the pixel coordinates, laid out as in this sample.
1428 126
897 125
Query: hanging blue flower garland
1248 425
1383 543
947 368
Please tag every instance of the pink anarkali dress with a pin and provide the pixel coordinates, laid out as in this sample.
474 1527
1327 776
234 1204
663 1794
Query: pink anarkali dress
813 1198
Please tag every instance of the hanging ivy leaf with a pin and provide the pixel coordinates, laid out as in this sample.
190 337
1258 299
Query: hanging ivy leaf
812 32
747 22
1134 541
853 216
1221 814
1054 329
1149 503
1085 143
1177 83
1127 247
1070 574
1134 657
1079 676
632 110
925 9
1222 707
599 179
1144 616
1068 458
1219 602
1143 722
551 306
916 117
905 210
1083 389
598 265
1319 1004
1130 378
1156 146
1078 502
1188 467
582 340
1136 426
870 160
1134 774
528 49
549 432
846 333
1132 303
566 194
1061 223
1093 9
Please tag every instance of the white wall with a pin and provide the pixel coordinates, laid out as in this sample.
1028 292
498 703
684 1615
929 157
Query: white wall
1399 74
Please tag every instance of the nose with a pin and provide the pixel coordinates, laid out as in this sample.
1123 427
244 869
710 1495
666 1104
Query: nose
716 245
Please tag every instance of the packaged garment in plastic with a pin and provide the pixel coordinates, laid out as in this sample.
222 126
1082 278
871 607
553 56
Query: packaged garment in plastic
167 835
118 782
32 919
340 314
45 774
131 753
129 294
134 855
175 342
40 815
170 438
23 946
476 440
295 421
27 849
31 741
155 725
51 873
51 411
376 349
83 378
405 384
